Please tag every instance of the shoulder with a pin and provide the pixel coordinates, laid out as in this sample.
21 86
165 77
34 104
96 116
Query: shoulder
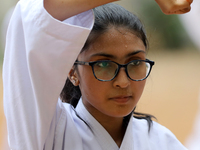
156 128
158 136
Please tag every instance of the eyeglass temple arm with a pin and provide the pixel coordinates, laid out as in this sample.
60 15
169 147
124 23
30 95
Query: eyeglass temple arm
151 62
82 63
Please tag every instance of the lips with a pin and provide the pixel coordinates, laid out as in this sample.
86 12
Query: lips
121 99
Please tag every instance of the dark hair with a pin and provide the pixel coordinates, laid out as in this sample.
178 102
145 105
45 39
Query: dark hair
106 17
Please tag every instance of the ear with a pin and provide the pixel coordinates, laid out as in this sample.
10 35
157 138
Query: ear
73 77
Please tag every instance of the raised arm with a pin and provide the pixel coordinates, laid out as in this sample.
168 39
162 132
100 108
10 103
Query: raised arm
40 51
62 9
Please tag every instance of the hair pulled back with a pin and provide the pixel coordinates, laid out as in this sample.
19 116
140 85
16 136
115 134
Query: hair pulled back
106 17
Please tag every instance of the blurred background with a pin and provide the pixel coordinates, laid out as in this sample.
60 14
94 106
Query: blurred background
173 88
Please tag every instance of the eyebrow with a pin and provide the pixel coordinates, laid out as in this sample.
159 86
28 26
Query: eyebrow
114 57
104 55
135 52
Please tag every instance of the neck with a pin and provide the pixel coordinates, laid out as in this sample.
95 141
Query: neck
114 126
116 129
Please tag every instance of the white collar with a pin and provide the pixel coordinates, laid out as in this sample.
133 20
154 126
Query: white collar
102 136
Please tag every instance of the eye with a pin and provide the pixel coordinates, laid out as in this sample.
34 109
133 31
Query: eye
103 64
135 63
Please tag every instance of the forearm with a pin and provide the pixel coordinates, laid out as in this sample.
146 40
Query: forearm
63 9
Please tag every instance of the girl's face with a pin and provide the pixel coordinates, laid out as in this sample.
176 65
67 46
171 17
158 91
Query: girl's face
116 98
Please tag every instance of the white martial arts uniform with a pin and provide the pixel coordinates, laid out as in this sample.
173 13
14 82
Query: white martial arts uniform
40 51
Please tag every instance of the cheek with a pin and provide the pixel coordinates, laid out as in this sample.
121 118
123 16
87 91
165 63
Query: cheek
85 75
138 88
89 85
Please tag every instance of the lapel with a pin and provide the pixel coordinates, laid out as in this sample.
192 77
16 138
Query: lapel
102 136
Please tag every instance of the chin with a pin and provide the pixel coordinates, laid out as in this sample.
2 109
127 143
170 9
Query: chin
121 114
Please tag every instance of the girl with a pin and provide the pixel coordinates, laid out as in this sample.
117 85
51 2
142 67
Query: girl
105 81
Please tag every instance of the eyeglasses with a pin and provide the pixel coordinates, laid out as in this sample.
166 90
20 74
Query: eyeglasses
106 70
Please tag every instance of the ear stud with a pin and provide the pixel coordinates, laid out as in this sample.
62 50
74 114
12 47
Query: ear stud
74 81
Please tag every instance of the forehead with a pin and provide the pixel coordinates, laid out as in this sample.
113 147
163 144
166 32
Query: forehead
116 41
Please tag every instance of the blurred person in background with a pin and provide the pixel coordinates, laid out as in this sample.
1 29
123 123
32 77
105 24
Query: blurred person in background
193 142
191 22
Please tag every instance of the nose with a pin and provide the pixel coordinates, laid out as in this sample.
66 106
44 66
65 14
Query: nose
121 80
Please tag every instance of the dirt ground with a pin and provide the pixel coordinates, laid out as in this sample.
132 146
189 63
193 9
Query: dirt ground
171 93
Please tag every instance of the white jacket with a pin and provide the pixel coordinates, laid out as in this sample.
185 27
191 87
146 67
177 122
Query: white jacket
40 51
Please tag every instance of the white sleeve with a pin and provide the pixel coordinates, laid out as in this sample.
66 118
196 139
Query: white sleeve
40 51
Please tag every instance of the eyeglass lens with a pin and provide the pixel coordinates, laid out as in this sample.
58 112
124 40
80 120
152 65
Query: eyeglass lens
138 70
106 70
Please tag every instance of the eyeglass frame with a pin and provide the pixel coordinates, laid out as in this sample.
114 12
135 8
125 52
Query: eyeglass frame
92 63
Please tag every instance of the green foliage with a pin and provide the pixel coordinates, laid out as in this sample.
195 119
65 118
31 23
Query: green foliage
166 30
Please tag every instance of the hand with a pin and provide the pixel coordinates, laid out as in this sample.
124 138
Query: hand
174 6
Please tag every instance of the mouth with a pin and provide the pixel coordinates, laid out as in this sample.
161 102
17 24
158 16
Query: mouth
121 99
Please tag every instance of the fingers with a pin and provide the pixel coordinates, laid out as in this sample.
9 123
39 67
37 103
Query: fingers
190 1
182 11
174 6
185 10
